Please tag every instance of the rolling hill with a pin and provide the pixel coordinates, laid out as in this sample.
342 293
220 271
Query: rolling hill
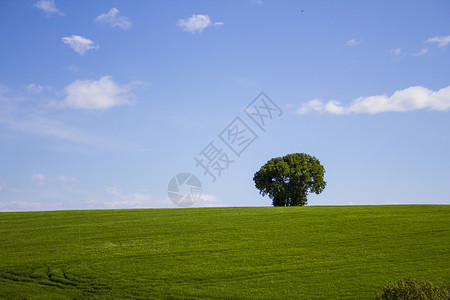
346 252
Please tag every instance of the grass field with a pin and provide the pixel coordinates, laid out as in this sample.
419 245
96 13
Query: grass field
234 253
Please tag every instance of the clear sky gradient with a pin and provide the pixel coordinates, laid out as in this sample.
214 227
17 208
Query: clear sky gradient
103 102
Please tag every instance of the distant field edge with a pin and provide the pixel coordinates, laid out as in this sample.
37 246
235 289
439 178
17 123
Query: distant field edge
219 207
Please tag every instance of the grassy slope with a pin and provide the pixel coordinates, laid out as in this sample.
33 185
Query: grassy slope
298 252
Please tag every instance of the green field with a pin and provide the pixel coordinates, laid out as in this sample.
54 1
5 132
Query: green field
222 253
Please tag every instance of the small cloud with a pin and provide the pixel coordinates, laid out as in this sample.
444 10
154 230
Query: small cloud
99 94
442 41
79 44
353 42
72 68
397 51
21 113
126 201
38 177
65 179
19 205
114 19
312 105
62 179
3 186
409 99
421 52
208 198
34 88
259 2
48 6
398 54
196 23
47 127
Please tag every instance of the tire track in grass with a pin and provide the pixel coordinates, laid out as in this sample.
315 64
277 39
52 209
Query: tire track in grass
78 278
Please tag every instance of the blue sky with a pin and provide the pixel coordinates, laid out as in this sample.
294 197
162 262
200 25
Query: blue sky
102 103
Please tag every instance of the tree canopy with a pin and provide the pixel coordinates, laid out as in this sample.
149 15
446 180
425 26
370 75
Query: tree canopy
289 179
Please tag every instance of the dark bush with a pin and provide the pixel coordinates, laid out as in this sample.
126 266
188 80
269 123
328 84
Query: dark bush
412 289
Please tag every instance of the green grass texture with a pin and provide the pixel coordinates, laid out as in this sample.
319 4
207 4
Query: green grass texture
341 252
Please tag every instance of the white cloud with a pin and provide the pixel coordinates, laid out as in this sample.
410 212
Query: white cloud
259 2
208 198
442 41
34 88
79 44
20 205
196 23
31 115
114 19
73 68
400 54
115 198
45 127
99 94
209 201
421 52
312 105
48 6
353 42
126 201
38 177
50 128
3 186
16 205
396 51
115 191
61 179
409 99
65 179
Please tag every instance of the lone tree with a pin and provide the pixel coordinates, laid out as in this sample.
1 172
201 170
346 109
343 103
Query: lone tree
289 179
